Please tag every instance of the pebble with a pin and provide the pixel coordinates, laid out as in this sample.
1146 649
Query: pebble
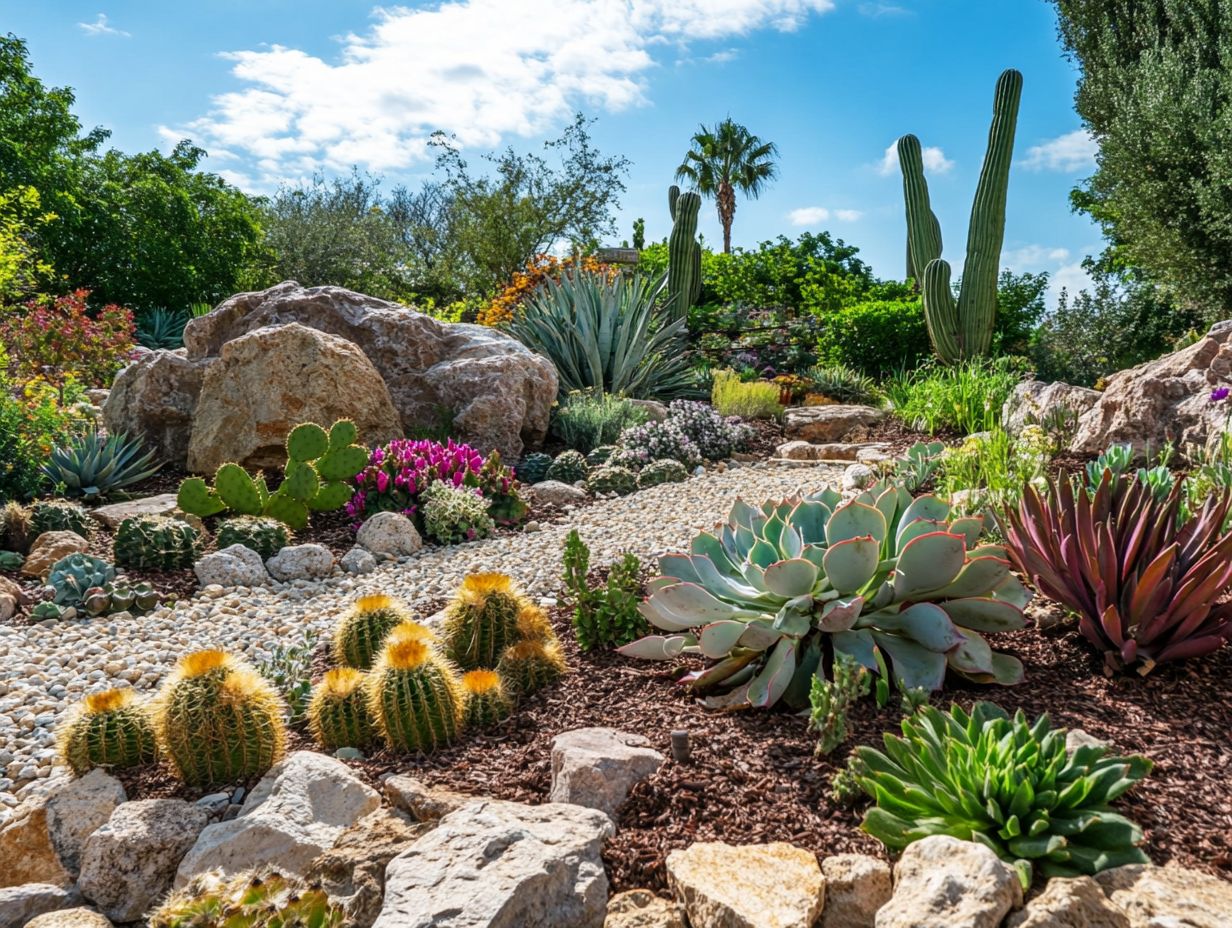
46 669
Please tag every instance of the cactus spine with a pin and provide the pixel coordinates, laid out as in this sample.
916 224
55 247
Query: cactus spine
482 621
414 695
962 329
218 720
360 635
264 900
684 275
338 714
107 730
486 700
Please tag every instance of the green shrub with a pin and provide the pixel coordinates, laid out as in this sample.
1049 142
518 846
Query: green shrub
966 398
1004 783
452 515
830 700
876 337
844 384
604 616
753 400
994 467
585 421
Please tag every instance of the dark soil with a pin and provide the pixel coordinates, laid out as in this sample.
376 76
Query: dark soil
753 776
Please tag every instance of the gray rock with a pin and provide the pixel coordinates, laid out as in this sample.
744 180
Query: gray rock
232 566
502 865
830 423
1077 738
1037 402
20 904
389 533
130 862
1078 903
358 561
422 802
555 493
301 562
70 918
941 882
640 908
1168 897
154 399
295 813
596 767
858 476
111 515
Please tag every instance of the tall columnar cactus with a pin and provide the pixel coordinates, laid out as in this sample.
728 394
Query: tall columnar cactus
156 542
338 715
486 700
361 634
107 730
684 275
218 720
962 329
482 621
414 695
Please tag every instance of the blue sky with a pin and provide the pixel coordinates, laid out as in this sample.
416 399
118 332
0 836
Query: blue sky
276 89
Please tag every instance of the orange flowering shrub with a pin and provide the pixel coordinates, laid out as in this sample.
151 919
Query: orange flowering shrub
539 269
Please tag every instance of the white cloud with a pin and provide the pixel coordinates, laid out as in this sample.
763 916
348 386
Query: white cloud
935 161
100 26
1071 277
847 215
1074 151
483 70
1033 258
877 10
724 56
808 215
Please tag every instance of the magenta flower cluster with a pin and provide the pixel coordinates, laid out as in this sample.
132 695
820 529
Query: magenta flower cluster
399 472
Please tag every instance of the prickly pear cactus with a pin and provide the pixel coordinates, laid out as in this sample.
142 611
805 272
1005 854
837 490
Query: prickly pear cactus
107 730
156 542
569 467
533 467
611 479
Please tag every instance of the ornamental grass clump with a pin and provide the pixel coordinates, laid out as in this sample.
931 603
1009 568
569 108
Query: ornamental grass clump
1004 783
218 721
415 697
108 730
770 590
1148 584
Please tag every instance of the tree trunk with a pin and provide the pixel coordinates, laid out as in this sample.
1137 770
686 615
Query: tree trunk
726 201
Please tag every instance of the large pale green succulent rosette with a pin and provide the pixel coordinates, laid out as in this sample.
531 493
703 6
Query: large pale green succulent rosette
881 575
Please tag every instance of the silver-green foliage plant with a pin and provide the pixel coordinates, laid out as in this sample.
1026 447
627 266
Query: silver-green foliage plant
288 667
585 421
94 465
1004 783
918 465
453 515
881 574
72 577
608 335
961 327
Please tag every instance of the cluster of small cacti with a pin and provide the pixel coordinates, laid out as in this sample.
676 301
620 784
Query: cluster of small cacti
59 515
600 456
664 470
247 900
120 596
265 536
109 729
482 621
569 467
361 634
533 467
338 714
218 721
11 560
611 478
318 475
452 515
156 542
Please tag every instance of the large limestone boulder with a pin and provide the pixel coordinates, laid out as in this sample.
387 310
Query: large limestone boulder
1167 399
1077 903
753 886
596 767
823 424
498 392
43 840
296 813
856 887
941 882
154 398
498 864
50 547
130 862
1155 897
1035 401
270 380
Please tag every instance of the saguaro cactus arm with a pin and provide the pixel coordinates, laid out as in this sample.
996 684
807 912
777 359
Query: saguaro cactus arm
923 230
684 253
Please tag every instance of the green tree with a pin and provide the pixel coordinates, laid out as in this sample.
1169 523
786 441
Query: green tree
338 232
527 206
22 272
1020 307
1156 93
724 160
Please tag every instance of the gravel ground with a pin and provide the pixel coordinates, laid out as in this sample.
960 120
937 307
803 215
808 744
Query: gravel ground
46 668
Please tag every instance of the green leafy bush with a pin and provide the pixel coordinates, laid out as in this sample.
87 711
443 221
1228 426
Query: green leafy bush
876 337
994 467
604 616
32 423
756 399
584 420
452 515
966 398
1004 783
830 700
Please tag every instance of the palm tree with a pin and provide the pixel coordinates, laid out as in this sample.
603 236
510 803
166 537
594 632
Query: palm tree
723 160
